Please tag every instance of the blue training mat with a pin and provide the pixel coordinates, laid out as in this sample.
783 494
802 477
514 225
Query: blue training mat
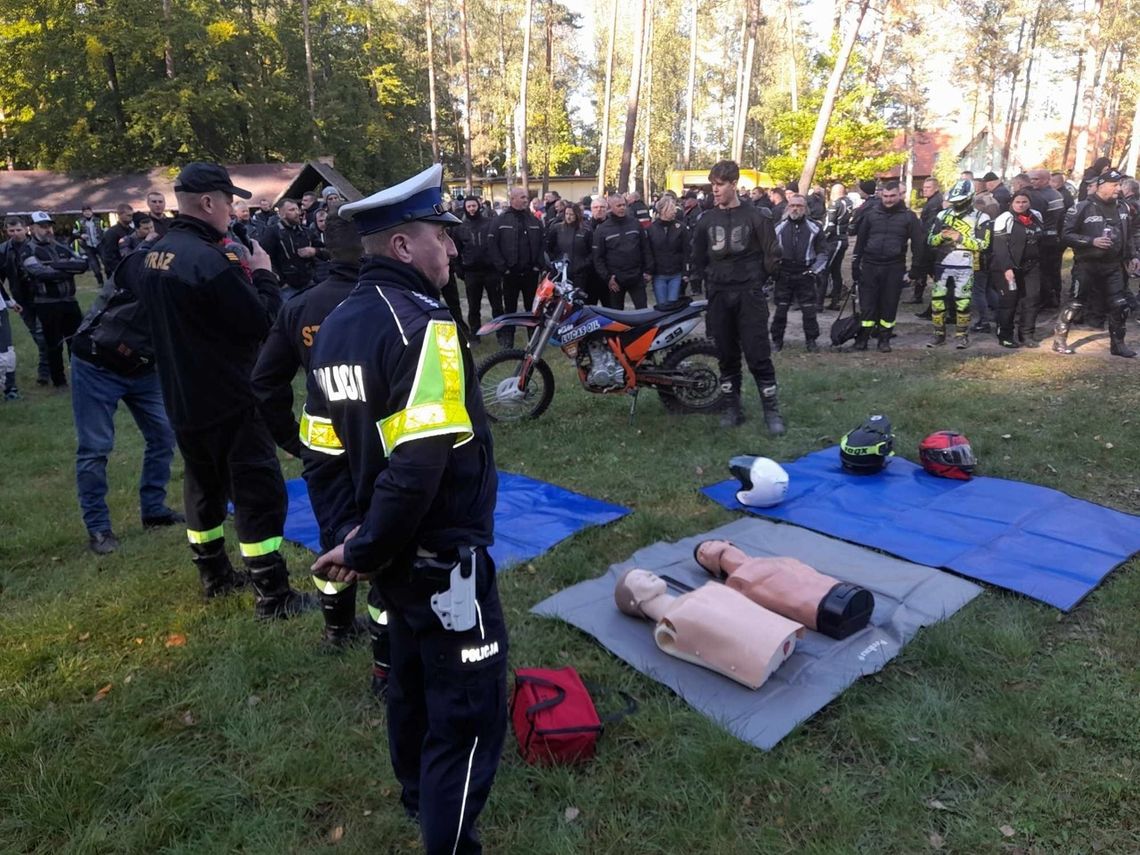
530 517
1034 540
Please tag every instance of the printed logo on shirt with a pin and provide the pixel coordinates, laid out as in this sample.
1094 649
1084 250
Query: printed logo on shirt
341 382
159 260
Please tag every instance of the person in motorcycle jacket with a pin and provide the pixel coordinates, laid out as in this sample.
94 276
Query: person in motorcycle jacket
959 236
1104 244
1017 240
803 256
572 239
734 251
476 268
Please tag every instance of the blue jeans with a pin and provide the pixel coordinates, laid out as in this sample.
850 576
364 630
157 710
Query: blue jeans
95 395
667 288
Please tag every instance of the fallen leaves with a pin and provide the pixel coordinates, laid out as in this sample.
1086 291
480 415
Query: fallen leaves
571 814
936 840
175 639
187 718
101 694
337 834
1007 831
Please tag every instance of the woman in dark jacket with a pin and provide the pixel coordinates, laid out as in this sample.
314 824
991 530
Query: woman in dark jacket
1016 246
571 239
669 251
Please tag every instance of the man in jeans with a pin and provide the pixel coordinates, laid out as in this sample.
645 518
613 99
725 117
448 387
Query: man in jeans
101 377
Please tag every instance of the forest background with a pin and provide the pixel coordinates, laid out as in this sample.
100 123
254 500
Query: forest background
103 86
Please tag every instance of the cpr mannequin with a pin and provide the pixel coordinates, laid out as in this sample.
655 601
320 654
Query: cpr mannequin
791 588
712 626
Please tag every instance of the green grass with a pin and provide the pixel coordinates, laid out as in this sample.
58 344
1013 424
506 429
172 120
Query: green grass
246 738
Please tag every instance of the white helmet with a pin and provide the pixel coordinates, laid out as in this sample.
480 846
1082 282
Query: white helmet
764 482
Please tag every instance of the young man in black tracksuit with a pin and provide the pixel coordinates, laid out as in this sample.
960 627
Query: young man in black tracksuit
476 268
514 244
621 256
734 251
884 232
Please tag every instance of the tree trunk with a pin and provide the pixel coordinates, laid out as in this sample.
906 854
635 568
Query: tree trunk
739 78
877 54
1020 121
468 170
648 101
167 48
1100 145
1132 160
524 167
549 98
508 154
1010 114
116 93
606 106
634 97
792 45
9 161
432 107
309 67
1073 115
692 82
1093 59
753 13
816 145
1094 108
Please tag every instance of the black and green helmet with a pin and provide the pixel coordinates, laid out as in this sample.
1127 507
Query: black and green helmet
866 449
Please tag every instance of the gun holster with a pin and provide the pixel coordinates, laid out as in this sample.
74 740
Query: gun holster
455 607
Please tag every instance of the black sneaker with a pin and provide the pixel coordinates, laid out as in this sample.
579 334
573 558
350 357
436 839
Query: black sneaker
981 327
164 520
103 542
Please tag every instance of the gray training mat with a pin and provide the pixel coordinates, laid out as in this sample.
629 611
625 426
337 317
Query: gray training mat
907 596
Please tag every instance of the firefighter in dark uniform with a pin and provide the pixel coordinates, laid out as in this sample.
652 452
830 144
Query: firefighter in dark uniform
1104 244
288 348
404 481
208 315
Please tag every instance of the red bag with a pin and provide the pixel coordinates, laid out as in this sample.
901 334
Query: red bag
554 716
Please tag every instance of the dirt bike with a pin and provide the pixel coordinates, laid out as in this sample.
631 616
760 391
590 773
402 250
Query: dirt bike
613 350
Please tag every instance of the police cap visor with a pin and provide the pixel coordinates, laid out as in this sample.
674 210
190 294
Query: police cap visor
206 178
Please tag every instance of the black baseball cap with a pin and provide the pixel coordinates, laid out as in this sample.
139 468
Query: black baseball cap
989 176
1110 176
200 177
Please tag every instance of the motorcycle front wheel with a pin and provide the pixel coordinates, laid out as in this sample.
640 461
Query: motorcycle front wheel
503 400
697 359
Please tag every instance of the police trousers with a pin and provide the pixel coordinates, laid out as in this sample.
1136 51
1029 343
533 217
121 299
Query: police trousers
234 461
447 698
880 287
738 320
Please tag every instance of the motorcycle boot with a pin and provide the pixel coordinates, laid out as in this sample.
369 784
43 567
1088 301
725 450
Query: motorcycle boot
1117 321
732 415
273 598
810 346
861 338
215 572
1061 330
962 331
772 418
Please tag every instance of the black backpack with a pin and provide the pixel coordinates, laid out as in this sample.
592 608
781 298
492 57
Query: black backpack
116 334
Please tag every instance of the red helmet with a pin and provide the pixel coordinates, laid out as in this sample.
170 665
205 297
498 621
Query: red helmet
947 454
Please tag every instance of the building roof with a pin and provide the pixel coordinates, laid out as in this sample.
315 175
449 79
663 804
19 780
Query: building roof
24 191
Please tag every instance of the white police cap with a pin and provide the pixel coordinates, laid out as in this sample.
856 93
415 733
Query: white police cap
419 198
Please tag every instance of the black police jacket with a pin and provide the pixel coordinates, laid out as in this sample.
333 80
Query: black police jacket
514 242
620 248
1089 219
288 347
734 247
883 234
472 245
208 317
395 419
668 247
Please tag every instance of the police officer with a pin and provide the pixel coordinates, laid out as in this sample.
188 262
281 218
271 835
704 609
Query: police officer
288 348
1103 240
803 255
208 315
404 481
734 251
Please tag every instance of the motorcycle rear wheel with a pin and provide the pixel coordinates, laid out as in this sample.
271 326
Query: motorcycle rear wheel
502 399
697 358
